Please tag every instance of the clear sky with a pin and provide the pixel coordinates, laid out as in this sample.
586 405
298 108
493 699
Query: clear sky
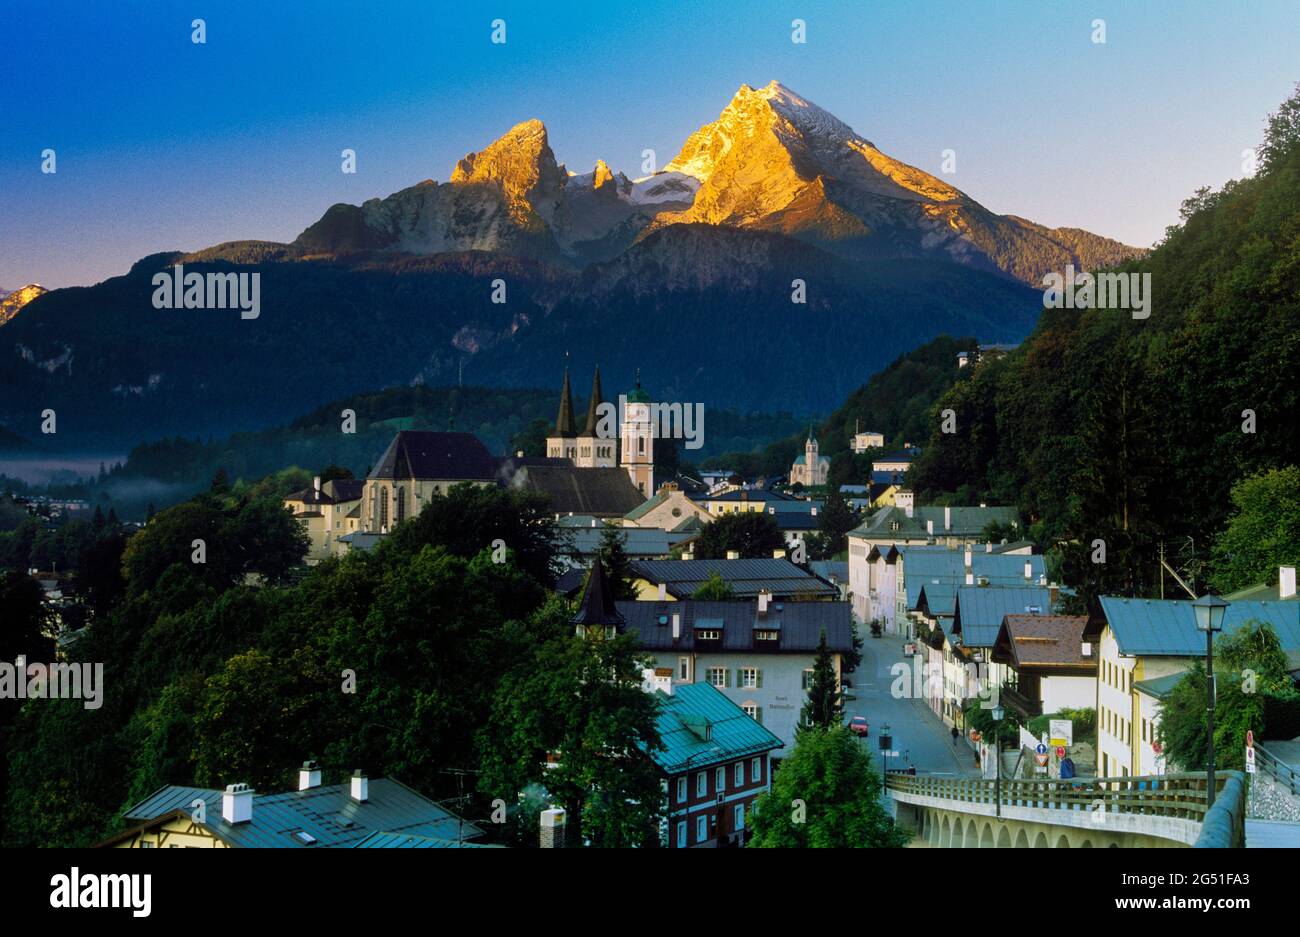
163 144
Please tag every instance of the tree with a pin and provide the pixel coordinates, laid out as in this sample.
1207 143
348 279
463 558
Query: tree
714 589
531 440
824 708
752 535
835 521
1263 534
1283 134
580 701
332 472
826 796
614 558
220 483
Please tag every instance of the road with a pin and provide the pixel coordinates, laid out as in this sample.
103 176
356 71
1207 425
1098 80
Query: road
920 737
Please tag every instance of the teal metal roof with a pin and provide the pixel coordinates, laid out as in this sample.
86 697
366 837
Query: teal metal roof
980 610
1160 687
924 565
731 733
406 841
1167 627
327 813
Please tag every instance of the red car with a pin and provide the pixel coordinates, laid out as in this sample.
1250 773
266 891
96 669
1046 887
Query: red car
858 725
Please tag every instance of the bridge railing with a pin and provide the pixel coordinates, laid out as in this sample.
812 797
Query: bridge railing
1165 795
1278 770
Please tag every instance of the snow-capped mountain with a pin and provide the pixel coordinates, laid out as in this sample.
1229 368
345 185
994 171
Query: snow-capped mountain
772 161
11 301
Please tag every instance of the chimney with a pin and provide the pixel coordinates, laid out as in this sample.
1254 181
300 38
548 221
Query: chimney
677 626
1053 593
552 827
970 577
814 512
663 591
733 554
988 547
237 804
360 790
1286 582
1086 649
688 554
968 557
947 518
315 483
1029 570
929 527
308 776
763 598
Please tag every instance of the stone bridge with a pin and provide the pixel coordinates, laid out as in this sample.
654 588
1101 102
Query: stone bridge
1166 810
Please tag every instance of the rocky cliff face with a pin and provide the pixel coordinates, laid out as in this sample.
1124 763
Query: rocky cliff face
12 301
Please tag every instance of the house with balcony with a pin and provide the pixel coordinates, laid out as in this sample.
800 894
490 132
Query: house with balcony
1050 662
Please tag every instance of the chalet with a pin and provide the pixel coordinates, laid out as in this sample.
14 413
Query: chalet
1052 663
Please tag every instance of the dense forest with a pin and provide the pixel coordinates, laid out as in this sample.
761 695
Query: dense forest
1135 431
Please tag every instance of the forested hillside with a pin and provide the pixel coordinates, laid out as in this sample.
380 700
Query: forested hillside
1134 431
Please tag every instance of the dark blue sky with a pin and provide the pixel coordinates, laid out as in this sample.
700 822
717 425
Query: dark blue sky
163 144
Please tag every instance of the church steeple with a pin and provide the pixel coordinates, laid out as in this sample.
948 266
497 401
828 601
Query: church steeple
564 421
597 398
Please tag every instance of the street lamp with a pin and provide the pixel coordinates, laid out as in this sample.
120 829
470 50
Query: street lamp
886 741
1210 610
998 713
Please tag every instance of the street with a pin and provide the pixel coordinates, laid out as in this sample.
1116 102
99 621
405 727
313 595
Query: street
920 738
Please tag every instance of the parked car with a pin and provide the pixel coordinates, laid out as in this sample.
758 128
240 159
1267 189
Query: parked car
858 726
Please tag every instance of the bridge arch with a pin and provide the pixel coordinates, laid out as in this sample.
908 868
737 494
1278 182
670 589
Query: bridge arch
1063 842
1040 841
986 836
1004 838
972 836
1022 839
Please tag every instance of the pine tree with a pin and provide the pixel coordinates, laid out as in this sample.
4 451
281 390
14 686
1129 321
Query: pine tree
824 708
835 521
617 566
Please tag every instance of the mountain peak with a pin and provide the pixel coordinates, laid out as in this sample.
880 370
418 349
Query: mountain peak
11 301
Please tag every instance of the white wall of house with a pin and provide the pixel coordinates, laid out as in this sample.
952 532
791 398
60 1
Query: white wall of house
1068 693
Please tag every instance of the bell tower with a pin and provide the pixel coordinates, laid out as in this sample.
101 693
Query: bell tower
638 440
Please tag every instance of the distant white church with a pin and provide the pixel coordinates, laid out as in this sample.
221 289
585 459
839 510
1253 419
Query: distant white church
592 450
811 468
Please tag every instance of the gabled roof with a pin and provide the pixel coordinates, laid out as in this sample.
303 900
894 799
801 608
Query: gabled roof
745 577
696 710
334 491
979 610
799 624
1167 627
647 542
963 522
327 813
435 456
1043 641
935 565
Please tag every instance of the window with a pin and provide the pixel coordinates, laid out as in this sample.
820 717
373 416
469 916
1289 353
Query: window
681 790
701 829
739 774
720 780
701 784
756 769
807 678
751 678
707 634
683 668
751 710
681 835
718 676
738 817
766 635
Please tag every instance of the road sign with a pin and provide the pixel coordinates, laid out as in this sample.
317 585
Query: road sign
1250 759
1060 731
1250 738
1041 759
1060 751
1041 749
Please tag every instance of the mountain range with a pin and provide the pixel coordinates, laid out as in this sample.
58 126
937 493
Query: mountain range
687 275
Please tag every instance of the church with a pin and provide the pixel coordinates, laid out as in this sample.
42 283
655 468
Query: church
597 446
810 468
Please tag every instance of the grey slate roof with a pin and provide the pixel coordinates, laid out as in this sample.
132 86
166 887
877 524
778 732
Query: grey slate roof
746 577
964 522
799 623
648 542
603 492
328 813
439 456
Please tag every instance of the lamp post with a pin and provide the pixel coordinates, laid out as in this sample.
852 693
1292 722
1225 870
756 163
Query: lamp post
1210 610
998 713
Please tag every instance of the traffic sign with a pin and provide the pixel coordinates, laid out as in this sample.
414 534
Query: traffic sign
1041 749
1060 751
1041 759
1250 759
